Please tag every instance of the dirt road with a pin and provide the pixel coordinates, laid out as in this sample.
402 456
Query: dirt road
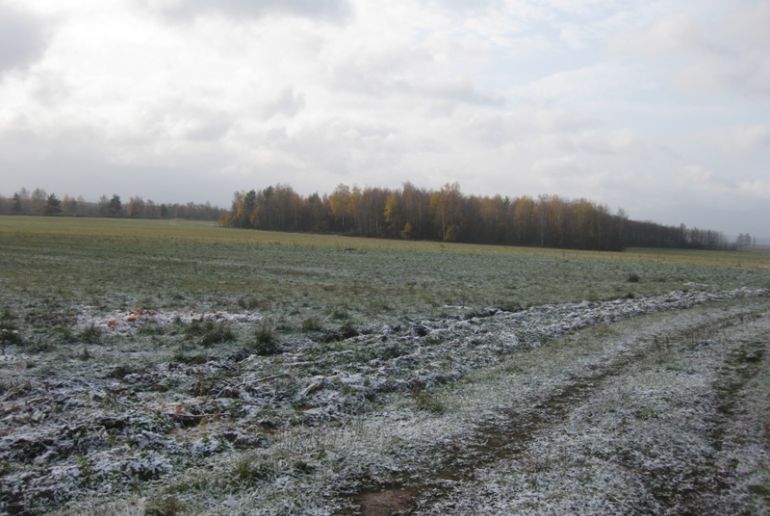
673 418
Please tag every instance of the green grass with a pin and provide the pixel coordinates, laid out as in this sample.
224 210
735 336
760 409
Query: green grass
47 265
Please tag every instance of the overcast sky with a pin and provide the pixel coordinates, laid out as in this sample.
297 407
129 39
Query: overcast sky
659 107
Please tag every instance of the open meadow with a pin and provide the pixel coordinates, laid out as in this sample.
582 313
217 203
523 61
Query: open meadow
169 367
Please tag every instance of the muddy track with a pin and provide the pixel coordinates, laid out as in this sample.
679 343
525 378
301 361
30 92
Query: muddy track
741 365
706 478
509 433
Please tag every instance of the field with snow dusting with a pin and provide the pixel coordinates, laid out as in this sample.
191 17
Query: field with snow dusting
156 367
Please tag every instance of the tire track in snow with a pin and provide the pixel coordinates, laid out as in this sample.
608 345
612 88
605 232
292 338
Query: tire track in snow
509 433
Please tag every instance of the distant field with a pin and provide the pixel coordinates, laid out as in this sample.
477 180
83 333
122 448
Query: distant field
172 263
165 367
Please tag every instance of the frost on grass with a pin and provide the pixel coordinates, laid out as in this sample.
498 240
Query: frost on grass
67 434
129 322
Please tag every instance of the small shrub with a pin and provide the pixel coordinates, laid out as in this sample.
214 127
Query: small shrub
85 469
166 506
210 332
340 314
509 306
248 303
151 328
265 342
300 466
347 330
284 325
197 327
427 402
218 333
392 351
90 335
264 334
312 324
64 333
9 332
39 346
248 469
633 278
195 359
10 335
121 371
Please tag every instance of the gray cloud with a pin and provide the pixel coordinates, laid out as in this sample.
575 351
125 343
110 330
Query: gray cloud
209 130
79 161
23 38
330 10
289 103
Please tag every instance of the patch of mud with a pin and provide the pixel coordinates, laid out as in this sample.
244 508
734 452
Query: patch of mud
386 502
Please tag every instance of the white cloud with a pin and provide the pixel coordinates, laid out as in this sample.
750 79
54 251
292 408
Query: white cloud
23 38
724 52
746 137
759 188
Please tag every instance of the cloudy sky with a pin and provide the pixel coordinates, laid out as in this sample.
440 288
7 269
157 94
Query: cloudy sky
661 107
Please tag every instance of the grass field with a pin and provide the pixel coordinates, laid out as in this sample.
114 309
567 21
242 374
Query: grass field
292 277
266 367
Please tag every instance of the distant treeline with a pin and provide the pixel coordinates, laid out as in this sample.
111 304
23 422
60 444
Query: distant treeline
39 202
448 215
